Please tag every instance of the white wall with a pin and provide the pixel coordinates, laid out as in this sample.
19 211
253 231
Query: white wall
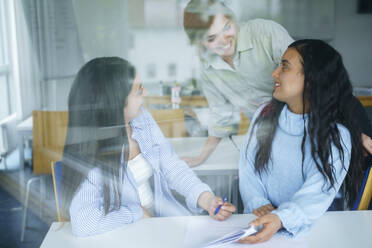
353 39
163 47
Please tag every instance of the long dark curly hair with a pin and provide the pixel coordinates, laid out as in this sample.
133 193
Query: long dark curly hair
328 92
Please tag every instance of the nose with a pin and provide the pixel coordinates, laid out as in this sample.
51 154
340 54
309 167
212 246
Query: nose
275 73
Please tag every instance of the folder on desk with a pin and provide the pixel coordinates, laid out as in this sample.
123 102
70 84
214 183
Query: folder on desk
233 237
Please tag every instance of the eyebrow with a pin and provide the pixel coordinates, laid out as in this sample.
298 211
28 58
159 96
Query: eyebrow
284 61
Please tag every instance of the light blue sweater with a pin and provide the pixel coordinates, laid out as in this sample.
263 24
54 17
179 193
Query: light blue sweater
300 201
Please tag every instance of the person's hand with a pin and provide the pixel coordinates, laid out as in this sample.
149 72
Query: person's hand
193 161
367 143
210 203
263 210
271 224
226 210
146 213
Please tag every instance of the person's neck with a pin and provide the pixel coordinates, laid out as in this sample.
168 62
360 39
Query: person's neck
298 108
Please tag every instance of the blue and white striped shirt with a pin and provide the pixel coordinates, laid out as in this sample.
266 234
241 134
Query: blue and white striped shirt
87 206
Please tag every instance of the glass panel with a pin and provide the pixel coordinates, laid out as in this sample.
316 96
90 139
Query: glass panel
4 98
3 34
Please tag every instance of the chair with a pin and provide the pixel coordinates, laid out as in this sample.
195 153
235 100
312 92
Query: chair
57 173
49 135
170 121
166 101
365 194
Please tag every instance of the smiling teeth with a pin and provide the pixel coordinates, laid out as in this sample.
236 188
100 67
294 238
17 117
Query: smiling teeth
276 84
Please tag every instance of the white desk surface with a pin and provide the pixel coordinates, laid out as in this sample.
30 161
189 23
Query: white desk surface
335 229
224 158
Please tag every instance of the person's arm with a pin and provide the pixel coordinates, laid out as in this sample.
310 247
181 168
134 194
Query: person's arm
181 178
223 120
251 188
87 214
313 199
209 147
279 39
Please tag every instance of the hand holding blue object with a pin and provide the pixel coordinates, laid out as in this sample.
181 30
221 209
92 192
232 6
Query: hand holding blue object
219 206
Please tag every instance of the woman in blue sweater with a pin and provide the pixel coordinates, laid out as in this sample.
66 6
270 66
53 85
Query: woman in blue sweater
301 145
117 166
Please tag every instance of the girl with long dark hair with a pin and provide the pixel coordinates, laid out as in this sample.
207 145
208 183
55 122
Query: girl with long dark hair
117 165
303 144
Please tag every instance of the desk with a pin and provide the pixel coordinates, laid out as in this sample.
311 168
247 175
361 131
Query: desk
224 161
334 229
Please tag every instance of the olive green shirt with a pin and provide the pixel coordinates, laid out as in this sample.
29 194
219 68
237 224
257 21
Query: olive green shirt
260 46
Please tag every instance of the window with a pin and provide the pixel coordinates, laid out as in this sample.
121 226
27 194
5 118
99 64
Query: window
6 86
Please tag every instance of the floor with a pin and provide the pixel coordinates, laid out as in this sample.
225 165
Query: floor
11 210
10 224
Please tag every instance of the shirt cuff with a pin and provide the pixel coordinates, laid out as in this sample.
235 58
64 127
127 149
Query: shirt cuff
192 198
292 220
222 131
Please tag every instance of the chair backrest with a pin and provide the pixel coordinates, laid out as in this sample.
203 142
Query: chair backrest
49 136
166 101
366 101
365 193
170 121
57 173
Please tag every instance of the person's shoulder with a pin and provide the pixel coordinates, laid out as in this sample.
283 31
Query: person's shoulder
259 110
344 133
260 24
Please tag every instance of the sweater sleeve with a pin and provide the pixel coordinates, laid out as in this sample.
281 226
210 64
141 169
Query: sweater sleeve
251 188
315 196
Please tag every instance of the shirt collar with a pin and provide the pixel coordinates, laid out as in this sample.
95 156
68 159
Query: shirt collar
138 122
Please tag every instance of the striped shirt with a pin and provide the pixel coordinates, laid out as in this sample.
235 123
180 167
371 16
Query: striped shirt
87 206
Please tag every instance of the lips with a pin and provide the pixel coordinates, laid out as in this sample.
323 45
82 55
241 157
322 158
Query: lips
276 85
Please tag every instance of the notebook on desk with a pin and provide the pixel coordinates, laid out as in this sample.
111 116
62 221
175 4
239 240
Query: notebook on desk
233 237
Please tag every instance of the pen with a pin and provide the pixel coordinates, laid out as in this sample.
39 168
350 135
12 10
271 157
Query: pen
219 206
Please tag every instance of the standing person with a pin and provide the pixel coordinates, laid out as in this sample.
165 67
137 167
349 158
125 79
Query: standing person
117 166
236 63
302 144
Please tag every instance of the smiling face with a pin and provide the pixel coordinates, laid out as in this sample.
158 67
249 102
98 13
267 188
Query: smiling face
289 81
221 37
133 107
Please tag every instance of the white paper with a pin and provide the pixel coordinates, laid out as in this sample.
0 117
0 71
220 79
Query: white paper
202 231
232 237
